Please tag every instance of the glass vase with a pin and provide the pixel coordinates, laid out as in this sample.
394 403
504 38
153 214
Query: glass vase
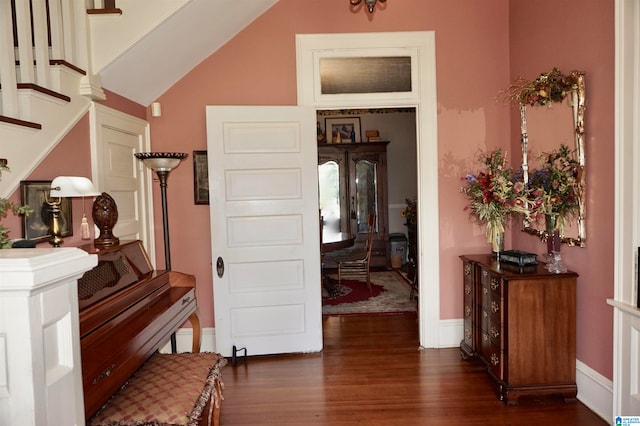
497 245
554 257
553 234
495 236
555 265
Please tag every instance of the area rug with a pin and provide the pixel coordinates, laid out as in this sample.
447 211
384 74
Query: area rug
390 294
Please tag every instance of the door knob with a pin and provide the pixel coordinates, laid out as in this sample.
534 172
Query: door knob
220 267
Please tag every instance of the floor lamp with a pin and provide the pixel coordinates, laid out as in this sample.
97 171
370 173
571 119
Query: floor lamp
162 163
65 186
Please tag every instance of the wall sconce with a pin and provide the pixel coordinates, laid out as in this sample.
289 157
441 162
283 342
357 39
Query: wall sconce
162 163
371 4
65 186
156 109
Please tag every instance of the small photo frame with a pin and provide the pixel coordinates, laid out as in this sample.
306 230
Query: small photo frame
35 227
200 178
347 127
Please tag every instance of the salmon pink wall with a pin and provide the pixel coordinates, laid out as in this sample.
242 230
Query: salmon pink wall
258 67
123 104
72 157
578 35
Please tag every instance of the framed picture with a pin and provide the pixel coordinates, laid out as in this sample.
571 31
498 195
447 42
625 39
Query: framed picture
342 129
200 178
35 227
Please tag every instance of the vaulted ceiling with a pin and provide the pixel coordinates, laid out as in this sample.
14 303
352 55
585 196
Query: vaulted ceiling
167 53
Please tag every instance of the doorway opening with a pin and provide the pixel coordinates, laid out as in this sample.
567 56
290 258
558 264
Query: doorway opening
417 53
367 164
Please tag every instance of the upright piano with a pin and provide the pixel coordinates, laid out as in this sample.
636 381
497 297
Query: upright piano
128 311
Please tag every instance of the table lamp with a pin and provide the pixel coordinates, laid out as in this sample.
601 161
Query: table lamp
65 186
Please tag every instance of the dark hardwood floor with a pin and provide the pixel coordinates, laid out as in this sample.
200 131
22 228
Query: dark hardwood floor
371 372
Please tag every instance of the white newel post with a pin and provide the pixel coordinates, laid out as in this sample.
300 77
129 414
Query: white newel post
40 369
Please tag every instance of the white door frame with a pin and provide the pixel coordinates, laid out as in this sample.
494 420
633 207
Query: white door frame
101 117
626 326
420 46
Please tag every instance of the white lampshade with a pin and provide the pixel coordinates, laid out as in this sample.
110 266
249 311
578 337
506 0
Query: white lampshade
72 186
161 161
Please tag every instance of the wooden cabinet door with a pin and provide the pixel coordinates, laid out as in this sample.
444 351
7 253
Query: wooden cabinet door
367 184
362 185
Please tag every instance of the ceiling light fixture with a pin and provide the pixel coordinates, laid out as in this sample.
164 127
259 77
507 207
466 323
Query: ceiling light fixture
371 4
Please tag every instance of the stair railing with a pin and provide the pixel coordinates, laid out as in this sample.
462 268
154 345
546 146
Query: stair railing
36 37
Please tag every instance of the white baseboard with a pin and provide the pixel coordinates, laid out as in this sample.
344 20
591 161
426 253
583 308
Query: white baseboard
450 333
595 391
184 336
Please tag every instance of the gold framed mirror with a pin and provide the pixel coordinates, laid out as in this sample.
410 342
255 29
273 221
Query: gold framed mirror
552 114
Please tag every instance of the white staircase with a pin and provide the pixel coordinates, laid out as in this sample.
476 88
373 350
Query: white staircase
46 81
72 49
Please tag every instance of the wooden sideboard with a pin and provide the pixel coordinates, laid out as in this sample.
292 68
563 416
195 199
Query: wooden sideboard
522 325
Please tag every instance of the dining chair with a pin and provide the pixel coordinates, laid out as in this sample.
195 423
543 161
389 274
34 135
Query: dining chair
356 265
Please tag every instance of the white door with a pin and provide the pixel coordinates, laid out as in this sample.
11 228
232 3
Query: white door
264 229
121 175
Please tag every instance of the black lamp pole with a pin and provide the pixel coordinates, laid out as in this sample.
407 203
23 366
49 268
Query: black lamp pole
163 175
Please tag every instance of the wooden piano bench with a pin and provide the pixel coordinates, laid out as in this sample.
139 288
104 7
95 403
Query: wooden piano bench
169 389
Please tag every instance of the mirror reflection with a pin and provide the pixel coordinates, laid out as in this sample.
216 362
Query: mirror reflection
552 117
329 194
366 193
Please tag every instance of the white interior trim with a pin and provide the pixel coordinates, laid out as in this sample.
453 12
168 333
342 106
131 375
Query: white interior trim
421 45
101 117
627 199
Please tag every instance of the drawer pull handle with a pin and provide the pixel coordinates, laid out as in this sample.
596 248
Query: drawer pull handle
495 307
105 373
186 300
495 359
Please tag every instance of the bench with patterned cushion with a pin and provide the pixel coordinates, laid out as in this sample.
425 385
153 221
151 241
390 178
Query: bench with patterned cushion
169 389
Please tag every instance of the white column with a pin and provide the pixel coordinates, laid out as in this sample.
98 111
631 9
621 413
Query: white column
40 369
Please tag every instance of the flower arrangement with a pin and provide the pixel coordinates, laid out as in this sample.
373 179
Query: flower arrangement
544 90
552 187
410 212
495 194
